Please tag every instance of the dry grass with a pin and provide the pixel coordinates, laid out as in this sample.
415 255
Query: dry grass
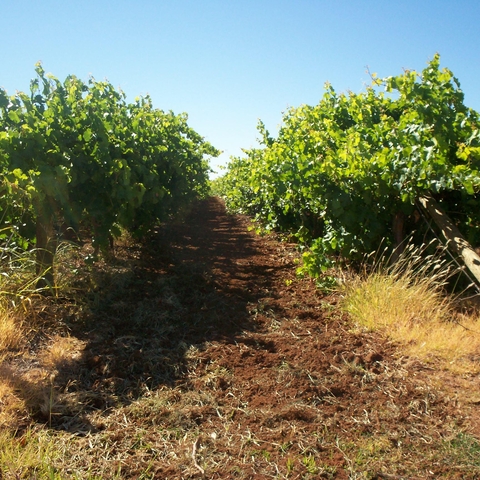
12 407
12 342
12 331
407 301
26 367
382 300
60 352
120 387
16 287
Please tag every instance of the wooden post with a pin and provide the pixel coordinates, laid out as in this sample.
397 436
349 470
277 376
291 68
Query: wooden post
45 249
455 240
398 228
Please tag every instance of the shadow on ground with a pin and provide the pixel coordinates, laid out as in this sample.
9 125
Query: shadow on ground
190 283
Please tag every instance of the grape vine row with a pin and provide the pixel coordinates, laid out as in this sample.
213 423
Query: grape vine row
76 152
344 176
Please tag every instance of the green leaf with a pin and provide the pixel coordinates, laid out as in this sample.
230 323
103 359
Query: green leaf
87 135
469 187
13 116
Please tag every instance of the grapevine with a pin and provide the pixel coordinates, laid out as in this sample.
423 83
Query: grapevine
77 153
344 176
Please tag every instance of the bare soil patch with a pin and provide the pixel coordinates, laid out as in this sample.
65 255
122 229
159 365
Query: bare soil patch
203 355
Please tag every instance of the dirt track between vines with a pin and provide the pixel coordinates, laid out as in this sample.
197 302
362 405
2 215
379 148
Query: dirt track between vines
238 368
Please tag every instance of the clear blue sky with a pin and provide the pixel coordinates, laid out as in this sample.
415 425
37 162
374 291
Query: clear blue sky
228 63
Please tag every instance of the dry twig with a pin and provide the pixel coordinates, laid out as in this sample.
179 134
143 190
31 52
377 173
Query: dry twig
194 457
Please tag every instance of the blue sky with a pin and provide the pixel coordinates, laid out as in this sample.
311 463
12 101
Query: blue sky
228 63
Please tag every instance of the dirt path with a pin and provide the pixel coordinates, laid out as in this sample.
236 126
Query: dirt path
212 355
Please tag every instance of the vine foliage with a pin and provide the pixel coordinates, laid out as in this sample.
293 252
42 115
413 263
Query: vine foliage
77 153
344 176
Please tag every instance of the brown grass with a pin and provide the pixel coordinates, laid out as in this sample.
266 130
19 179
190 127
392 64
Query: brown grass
27 369
408 303
60 352
12 328
12 407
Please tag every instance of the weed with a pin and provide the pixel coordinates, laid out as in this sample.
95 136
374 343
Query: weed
310 465
290 464
464 449
284 447
29 456
327 283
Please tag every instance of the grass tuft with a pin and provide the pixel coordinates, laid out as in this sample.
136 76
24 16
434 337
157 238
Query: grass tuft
407 300
28 456
60 352
11 328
